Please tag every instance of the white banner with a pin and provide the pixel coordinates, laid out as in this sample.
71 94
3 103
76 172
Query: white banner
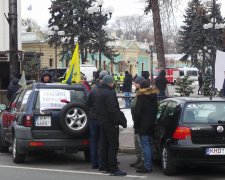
219 69
51 98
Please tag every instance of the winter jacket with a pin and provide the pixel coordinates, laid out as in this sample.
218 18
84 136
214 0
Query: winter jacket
161 83
127 85
91 102
106 106
44 74
144 111
13 88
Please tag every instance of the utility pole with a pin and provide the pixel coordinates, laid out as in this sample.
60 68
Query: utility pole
13 39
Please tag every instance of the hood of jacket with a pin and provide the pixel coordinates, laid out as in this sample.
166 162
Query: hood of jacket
46 73
147 91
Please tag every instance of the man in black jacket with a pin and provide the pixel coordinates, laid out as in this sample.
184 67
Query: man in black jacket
144 115
108 111
94 124
127 88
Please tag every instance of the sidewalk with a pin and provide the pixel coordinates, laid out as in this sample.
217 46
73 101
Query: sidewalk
126 141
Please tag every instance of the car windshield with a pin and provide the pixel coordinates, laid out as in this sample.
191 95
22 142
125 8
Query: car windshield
204 112
57 98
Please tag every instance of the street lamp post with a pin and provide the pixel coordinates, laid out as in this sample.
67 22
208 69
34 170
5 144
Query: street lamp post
213 26
100 13
150 52
55 33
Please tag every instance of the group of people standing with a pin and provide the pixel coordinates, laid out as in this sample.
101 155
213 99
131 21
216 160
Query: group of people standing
105 117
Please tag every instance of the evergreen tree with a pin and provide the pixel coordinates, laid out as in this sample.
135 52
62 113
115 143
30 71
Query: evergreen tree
192 34
72 17
183 86
207 83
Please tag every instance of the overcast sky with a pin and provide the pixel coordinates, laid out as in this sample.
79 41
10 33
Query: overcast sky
40 12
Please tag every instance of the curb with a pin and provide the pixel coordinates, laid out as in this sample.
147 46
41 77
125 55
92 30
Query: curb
126 150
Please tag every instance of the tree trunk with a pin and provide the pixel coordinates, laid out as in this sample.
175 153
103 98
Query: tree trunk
158 34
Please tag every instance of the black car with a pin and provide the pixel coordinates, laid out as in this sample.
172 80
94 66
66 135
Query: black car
190 131
45 117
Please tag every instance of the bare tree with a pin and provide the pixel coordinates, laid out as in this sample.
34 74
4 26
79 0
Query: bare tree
166 7
135 26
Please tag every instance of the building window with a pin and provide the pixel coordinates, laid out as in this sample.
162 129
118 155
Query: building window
142 67
50 62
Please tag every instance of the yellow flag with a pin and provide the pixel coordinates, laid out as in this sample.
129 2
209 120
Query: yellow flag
73 73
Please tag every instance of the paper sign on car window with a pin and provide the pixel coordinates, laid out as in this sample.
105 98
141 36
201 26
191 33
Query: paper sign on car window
52 98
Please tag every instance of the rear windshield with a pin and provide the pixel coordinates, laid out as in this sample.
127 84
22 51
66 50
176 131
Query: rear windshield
204 112
57 98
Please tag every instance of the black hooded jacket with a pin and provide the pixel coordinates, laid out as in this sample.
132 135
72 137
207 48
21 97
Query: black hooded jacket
44 74
13 88
106 106
127 85
161 81
145 111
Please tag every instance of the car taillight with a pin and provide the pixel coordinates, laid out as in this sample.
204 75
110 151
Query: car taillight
27 122
36 143
182 133
85 142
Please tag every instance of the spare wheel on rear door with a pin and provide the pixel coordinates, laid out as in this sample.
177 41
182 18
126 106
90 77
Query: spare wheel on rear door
73 119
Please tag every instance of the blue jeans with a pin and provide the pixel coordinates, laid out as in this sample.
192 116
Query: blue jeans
127 100
146 144
94 144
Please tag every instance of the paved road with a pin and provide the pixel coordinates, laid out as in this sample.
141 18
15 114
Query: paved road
73 167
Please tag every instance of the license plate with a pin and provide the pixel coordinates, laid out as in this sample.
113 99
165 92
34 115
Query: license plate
215 151
43 121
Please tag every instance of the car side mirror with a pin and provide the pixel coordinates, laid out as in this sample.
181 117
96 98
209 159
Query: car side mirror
3 107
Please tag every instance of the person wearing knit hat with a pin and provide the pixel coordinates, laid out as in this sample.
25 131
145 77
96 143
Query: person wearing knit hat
137 81
103 73
108 80
94 123
109 115
144 115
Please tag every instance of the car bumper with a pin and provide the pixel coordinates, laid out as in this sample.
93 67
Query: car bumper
52 144
195 155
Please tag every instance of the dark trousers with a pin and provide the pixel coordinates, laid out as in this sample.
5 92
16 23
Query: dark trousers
109 147
95 143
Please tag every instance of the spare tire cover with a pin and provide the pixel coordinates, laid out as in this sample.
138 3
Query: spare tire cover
73 119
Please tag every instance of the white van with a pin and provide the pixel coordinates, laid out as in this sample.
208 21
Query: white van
192 72
88 70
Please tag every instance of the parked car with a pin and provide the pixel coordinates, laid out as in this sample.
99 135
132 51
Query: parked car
189 131
45 117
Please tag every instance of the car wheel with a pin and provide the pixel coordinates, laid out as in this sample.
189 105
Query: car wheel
87 155
4 146
73 119
17 157
167 164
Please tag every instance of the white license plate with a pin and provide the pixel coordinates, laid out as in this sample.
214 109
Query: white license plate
43 121
215 151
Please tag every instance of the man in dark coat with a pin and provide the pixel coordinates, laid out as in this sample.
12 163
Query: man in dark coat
144 114
108 111
161 83
127 88
13 87
200 82
46 77
94 124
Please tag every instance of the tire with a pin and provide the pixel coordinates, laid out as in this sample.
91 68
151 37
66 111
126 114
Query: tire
4 146
87 155
17 157
73 119
167 165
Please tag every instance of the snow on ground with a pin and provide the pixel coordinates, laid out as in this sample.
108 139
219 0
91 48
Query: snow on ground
127 113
